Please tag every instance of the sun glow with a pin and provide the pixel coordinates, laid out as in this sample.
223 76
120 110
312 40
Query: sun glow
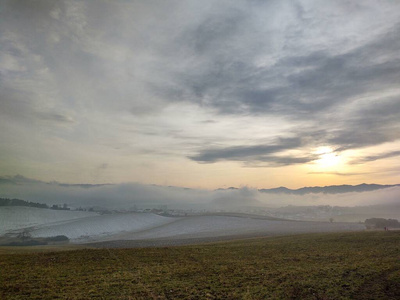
327 158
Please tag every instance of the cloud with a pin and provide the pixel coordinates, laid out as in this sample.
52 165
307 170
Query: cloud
296 85
18 180
337 173
244 152
373 124
55 117
279 161
302 74
319 83
375 157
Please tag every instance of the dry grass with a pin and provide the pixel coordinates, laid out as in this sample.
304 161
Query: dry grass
314 266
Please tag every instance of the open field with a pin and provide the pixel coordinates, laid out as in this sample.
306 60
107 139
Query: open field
13 218
151 228
362 265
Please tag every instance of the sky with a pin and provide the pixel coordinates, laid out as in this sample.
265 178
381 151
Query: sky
201 94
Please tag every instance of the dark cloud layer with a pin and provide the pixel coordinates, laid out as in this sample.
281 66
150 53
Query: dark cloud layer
238 153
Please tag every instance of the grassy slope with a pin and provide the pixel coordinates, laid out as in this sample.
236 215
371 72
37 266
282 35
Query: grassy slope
314 266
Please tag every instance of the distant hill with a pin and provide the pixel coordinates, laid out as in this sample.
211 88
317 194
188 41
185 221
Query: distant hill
19 202
332 189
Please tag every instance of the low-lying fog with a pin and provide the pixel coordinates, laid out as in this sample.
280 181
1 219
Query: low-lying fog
128 195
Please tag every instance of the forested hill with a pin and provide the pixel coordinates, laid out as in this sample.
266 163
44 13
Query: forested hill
19 202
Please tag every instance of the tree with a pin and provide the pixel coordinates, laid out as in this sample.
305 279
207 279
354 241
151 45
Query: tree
24 235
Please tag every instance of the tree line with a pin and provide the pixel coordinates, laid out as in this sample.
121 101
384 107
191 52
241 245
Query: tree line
19 202
382 223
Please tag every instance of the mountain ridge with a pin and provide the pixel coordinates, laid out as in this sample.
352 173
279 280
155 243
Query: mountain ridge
330 189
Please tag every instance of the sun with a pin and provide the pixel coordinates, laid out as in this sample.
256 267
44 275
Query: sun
327 157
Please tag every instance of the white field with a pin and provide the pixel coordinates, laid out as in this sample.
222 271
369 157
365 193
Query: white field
81 227
19 217
98 227
223 226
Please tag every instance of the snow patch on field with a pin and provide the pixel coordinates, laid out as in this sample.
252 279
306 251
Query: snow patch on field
98 227
222 226
19 217
82 227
